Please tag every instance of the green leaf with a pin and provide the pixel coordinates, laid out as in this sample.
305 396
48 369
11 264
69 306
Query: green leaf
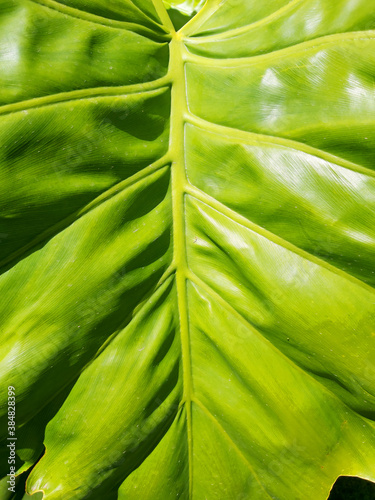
187 247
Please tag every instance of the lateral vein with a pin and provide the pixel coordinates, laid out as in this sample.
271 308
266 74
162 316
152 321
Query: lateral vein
84 94
179 109
231 442
103 21
70 219
256 138
243 221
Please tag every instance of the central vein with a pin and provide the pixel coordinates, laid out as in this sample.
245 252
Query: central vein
178 113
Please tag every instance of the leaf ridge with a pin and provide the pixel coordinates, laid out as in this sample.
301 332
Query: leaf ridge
302 47
85 94
243 221
60 226
197 281
248 27
219 350
171 270
254 137
163 282
224 433
96 19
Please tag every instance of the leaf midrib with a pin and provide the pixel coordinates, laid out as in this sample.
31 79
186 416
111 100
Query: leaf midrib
179 181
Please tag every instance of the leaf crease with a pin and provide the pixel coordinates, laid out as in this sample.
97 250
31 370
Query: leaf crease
102 21
67 221
254 137
243 221
231 442
85 94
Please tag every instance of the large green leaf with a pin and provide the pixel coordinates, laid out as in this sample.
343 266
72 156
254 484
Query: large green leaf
187 246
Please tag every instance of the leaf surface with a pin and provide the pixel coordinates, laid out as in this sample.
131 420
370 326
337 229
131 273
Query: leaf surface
187 246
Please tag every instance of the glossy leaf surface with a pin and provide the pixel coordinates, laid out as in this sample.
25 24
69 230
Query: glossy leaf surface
187 247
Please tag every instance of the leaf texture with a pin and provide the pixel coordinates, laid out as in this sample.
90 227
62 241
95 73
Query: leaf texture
187 247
